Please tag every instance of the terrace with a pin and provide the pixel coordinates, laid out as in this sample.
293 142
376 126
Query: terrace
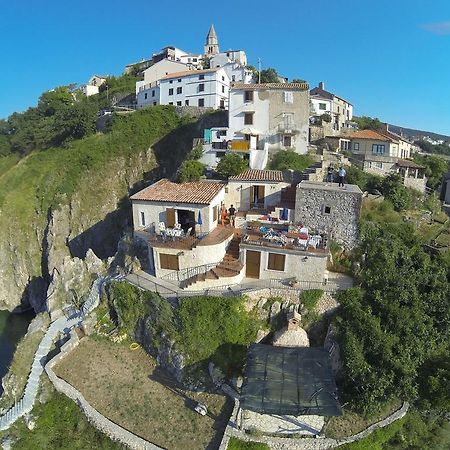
289 237
185 241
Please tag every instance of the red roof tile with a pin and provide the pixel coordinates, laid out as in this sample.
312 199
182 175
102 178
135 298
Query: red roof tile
259 175
368 134
196 192
282 86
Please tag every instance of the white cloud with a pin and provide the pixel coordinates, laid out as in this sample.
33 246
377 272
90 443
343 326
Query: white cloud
441 28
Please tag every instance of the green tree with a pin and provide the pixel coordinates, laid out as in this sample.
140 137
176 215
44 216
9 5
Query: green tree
394 191
436 167
52 101
231 164
290 160
298 80
368 123
190 170
269 75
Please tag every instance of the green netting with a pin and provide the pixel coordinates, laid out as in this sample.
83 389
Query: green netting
289 381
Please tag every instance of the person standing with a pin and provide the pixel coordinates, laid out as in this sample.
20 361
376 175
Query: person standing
342 173
231 215
330 172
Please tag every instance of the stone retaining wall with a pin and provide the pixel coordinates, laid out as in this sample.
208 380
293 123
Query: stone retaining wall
320 443
111 429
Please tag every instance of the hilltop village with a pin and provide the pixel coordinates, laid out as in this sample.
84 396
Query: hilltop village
249 304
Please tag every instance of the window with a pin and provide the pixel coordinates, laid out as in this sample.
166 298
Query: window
154 103
356 146
223 78
201 102
222 132
179 80
179 90
322 106
287 141
194 59
168 261
223 89
186 102
201 77
178 103
215 213
145 96
276 261
248 96
233 77
170 103
201 87
378 149
248 118
327 210
171 91
288 97
153 93
142 218
171 81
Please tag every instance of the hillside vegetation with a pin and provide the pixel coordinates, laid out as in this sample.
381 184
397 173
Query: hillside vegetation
58 201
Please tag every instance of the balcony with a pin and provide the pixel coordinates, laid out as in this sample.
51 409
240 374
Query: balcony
288 128
240 145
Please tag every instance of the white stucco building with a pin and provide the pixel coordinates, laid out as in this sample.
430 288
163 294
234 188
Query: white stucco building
324 102
158 70
272 116
92 86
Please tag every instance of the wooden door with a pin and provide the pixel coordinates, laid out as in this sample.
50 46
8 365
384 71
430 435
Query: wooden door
252 265
170 217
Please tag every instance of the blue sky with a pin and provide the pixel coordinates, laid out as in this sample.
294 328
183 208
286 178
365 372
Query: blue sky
391 59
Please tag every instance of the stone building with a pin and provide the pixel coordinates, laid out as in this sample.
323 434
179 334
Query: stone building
212 42
328 207
292 335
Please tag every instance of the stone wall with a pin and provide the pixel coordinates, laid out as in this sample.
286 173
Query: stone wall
320 443
326 207
112 430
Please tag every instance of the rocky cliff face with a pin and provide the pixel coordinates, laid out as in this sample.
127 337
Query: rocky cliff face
48 255
58 252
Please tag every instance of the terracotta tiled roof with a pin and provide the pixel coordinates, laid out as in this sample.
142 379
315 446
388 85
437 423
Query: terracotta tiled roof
282 86
409 163
259 175
368 134
188 72
197 192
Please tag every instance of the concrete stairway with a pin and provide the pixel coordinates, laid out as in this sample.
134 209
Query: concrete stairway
230 266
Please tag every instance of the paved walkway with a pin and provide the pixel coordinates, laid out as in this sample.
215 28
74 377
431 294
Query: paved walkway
61 325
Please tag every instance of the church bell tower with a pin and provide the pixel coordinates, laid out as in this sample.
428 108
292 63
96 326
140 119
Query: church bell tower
212 43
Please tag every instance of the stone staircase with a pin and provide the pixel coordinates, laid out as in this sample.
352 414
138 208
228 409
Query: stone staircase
229 267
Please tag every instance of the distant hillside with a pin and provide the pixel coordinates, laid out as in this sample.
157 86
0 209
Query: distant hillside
417 134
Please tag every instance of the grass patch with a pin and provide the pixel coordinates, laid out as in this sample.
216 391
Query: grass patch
59 425
20 366
237 444
310 298
351 422
130 389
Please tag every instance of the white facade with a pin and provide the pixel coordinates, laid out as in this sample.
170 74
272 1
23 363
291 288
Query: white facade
276 114
148 96
158 71
204 88
238 73
235 56
192 60
89 90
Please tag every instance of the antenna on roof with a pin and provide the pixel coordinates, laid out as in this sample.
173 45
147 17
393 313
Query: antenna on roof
259 70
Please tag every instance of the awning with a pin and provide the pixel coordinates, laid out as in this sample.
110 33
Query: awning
249 130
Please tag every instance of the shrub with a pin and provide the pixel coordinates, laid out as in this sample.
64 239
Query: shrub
231 164
310 298
289 160
190 170
237 444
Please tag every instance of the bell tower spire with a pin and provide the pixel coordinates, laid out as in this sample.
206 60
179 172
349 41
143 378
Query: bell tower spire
212 43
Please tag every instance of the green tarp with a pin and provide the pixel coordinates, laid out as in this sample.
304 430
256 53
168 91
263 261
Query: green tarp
289 381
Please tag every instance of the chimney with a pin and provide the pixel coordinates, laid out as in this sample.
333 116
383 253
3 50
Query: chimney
322 85
385 126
